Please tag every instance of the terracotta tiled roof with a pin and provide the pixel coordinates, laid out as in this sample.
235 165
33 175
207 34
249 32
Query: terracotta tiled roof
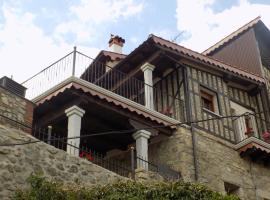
232 36
205 59
253 145
112 55
109 97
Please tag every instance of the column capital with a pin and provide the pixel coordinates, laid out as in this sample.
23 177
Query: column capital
140 126
141 133
74 110
147 66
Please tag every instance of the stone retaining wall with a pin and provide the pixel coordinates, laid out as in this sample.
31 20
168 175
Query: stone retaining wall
217 162
18 162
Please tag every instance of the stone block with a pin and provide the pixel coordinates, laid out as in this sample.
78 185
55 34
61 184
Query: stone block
16 165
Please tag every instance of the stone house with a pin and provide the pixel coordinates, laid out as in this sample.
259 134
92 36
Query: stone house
203 115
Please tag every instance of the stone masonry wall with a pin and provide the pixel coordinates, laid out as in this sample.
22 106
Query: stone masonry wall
176 152
15 108
217 161
18 162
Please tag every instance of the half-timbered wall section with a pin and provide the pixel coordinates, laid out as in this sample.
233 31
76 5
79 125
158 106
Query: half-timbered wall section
198 80
251 102
169 95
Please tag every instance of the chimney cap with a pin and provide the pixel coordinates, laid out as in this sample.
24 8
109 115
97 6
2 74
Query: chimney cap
12 86
115 39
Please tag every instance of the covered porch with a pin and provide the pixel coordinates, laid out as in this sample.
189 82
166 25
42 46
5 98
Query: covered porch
99 125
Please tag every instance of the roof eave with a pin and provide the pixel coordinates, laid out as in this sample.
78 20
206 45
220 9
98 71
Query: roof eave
232 36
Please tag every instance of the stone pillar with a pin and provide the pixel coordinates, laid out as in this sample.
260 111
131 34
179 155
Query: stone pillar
141 138
148 87
74 115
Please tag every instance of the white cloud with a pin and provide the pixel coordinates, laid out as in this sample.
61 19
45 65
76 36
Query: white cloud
206 27
164 33
90 14
99 11
24 48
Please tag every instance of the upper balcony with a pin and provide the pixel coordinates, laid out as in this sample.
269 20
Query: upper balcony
137 89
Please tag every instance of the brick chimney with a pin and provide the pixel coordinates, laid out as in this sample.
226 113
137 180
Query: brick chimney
116 44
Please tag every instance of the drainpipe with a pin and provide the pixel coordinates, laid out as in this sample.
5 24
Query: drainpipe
190 119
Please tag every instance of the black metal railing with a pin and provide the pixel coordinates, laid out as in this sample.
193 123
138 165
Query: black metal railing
124 168
71 146
115 81
84 67
161 169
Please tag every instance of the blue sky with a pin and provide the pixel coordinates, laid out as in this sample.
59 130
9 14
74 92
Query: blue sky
34 33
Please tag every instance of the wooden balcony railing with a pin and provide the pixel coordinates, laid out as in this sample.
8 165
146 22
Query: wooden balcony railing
218 126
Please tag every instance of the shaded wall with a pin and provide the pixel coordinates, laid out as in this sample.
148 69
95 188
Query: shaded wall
242 52
169 95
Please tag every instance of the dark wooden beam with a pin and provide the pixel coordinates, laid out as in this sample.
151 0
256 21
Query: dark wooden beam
103 142
126 113
56 114
254 91
101 128
104 123
137 69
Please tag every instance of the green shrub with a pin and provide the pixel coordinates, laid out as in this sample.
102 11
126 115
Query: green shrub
41 189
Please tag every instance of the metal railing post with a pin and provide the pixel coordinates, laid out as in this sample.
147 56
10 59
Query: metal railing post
49 134
74 61
132 163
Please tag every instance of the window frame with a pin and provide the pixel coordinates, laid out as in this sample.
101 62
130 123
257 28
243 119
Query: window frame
207 97
206 93
241 128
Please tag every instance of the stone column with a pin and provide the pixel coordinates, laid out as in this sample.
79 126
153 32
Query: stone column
74 115
141 138
148 87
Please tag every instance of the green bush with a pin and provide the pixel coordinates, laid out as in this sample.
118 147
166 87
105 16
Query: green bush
41 189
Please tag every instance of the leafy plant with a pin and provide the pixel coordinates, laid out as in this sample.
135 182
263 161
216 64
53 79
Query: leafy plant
42 189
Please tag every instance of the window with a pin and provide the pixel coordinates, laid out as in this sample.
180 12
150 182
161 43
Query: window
231 189
209 100
248 124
